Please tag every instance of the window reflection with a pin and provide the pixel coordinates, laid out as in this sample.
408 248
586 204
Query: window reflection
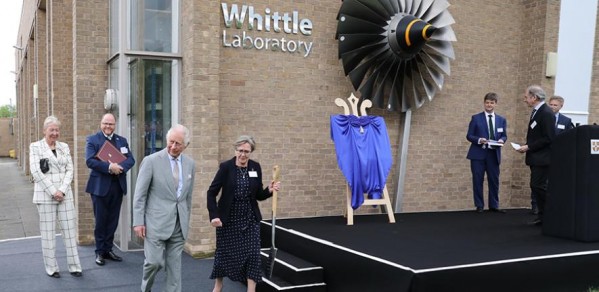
152 25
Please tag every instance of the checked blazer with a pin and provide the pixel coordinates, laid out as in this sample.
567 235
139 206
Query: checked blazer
59 177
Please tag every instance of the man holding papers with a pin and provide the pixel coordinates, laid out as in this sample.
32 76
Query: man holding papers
107 183
540 134
486 133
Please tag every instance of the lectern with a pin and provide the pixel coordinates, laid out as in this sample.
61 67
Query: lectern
572 207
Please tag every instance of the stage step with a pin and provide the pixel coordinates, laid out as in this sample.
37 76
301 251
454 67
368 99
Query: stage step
291 273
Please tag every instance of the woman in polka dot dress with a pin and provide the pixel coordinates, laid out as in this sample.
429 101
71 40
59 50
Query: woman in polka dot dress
237 216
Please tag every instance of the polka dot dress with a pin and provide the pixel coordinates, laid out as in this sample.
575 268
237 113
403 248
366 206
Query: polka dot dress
238 242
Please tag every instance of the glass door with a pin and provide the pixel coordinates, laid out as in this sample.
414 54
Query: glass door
150 116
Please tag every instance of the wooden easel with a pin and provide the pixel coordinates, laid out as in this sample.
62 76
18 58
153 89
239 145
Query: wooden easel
384 200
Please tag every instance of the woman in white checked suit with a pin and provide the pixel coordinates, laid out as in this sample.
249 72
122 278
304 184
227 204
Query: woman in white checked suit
53 197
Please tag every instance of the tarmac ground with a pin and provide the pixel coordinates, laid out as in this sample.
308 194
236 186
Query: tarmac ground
21 263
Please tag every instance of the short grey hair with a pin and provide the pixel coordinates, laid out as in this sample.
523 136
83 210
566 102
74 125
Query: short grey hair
51 120
181 128
245 139
537 91
558 98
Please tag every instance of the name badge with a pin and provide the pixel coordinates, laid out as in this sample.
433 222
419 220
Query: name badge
561 127
533 125
124 150
499 130
253 173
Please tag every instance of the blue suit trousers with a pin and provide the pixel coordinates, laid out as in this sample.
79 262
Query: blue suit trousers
490 166
107 210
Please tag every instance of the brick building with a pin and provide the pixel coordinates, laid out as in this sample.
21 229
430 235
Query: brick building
169 62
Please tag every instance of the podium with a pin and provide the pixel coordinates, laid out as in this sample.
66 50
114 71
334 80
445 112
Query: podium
572 206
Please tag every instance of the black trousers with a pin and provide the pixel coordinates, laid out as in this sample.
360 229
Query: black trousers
539 176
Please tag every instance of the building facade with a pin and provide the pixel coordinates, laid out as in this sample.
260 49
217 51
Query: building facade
156 63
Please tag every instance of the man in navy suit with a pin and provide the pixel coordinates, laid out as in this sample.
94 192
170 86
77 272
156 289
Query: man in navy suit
540 134
107 185
562 122
486 132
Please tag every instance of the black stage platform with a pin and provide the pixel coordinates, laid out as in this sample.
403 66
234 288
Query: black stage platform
440 251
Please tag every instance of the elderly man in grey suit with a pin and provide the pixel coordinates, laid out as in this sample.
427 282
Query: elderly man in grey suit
162 206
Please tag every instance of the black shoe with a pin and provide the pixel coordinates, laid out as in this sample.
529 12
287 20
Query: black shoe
536 222
113 257
76 274
496 210
479 210
534 211
55 275
100 260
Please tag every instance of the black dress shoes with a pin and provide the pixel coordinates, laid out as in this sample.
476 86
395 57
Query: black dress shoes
55 275
76 274
495 210
479 210
113 257
534 211
100 260
536 222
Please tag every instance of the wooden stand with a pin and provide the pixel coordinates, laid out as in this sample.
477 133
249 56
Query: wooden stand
384 200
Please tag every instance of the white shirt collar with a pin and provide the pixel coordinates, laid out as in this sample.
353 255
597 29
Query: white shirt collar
539 105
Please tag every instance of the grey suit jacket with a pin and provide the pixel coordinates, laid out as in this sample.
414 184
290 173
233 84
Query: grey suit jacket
155 202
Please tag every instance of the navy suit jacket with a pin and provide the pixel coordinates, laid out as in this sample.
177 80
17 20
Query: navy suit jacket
478 128
99 177
563 123
225 180
540 134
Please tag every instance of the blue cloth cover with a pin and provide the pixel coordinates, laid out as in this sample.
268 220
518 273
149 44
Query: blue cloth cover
364 158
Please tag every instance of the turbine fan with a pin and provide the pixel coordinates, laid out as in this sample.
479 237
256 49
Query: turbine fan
396 50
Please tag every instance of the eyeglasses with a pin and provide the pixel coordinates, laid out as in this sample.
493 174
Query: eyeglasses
108 124
244 152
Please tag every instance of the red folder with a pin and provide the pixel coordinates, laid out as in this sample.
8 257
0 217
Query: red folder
109 153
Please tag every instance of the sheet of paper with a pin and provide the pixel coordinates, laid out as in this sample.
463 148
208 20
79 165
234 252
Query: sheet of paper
516 146
494 143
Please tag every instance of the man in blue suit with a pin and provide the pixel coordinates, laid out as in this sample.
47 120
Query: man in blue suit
107 185
487 132
562 123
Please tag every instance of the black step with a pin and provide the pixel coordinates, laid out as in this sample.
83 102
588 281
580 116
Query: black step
290 270
276 284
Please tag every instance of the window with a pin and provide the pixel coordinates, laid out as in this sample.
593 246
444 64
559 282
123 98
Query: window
151 102
146 73
153 25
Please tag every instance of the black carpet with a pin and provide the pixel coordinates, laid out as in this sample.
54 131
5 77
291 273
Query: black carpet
446 250
432 240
